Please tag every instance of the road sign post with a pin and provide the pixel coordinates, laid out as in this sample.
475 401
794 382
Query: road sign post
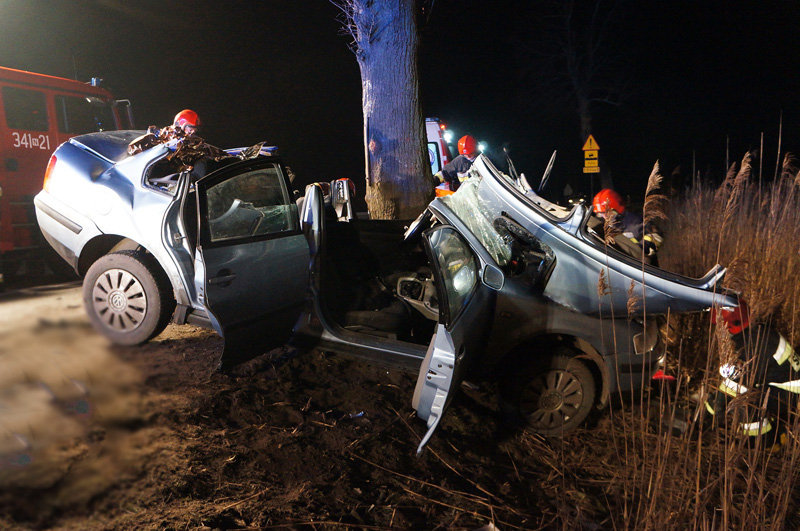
591 160
591 151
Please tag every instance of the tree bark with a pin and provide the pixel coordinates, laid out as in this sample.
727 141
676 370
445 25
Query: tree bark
398 176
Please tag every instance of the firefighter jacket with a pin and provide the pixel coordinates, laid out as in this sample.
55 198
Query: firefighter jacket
455 172
768 366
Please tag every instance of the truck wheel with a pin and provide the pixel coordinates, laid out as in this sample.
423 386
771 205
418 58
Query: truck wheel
127 297
555 397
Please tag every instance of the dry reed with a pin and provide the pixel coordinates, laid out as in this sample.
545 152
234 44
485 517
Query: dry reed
640 471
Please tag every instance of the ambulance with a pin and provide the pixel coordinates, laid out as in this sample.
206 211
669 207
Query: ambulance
438 149
38 113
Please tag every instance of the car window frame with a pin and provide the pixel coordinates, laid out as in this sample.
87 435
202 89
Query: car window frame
228 172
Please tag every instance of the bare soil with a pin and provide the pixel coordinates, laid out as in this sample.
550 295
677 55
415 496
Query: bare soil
151 437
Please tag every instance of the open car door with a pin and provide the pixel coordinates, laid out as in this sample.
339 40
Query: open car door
251 264
466 285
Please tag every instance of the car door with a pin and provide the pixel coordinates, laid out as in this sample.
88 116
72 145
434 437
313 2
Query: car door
251 264
467 283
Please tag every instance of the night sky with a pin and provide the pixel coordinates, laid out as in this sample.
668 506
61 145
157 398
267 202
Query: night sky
696 74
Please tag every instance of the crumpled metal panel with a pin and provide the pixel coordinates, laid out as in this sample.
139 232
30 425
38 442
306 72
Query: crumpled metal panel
186 150
587 277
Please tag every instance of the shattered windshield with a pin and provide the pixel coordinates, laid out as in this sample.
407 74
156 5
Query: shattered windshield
467 204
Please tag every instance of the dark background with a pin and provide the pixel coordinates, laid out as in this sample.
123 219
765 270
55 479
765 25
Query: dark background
698 75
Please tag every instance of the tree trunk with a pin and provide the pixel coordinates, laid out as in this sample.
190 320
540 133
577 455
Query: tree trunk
398 175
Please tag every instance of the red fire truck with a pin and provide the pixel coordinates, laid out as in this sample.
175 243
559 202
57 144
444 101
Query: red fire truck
37 113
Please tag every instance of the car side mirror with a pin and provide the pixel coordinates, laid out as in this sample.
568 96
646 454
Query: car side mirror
493 277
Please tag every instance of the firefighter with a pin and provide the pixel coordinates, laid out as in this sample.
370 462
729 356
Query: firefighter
766 369
606 203
187 122
455 172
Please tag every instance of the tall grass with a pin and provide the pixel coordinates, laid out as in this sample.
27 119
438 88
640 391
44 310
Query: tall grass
642 472
754 232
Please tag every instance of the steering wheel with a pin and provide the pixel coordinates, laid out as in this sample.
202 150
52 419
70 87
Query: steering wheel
228 213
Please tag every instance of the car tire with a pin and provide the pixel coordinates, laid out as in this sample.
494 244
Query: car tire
554 397
128 297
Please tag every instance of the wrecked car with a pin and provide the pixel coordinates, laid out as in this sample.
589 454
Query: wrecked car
493 279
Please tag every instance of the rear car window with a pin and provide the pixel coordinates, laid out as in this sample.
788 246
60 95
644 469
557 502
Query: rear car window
25 109
85 114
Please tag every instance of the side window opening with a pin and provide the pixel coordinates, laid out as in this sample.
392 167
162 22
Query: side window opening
25 109
528 253
162 175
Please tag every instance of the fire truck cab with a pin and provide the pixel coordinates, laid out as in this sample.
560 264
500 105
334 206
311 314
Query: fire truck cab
38 113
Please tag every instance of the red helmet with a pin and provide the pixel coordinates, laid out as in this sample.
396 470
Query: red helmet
186 117
467 145
607 199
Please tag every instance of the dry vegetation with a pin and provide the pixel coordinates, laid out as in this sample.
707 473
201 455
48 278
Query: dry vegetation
712 478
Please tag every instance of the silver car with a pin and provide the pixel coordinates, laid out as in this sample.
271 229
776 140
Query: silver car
492 280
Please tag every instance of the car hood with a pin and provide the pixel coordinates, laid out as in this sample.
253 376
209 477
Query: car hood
583 274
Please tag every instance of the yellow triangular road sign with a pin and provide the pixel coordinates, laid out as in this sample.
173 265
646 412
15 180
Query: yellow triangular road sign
590 144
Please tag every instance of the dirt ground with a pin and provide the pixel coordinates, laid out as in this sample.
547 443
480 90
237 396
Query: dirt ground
151 437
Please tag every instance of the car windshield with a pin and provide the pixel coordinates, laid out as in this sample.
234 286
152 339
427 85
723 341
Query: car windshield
472 209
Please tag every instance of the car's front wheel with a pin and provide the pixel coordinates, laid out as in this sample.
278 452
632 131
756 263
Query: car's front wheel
553 397
127 298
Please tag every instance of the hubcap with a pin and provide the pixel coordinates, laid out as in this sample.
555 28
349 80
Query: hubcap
552 400
119 300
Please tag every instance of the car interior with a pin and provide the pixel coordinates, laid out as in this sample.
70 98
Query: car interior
377 277
376 282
